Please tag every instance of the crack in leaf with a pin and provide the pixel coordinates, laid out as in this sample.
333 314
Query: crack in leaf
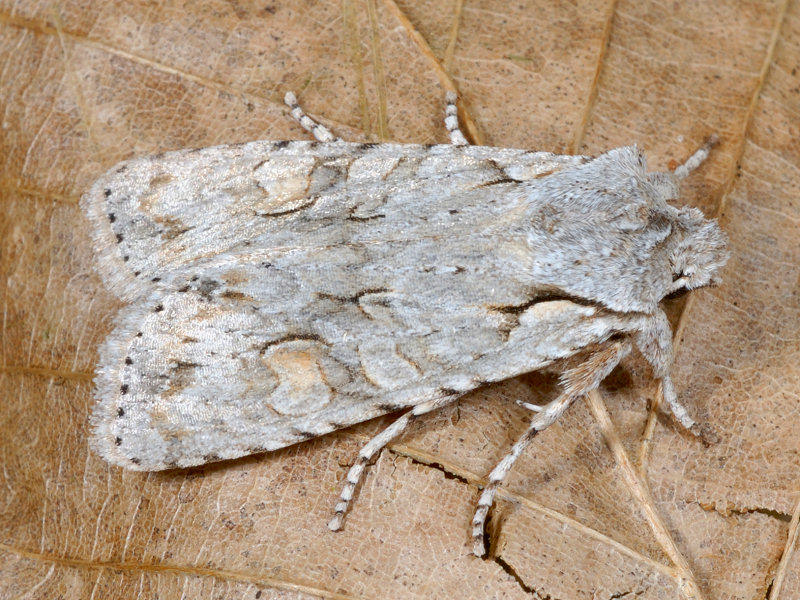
439 467
732 510
525 587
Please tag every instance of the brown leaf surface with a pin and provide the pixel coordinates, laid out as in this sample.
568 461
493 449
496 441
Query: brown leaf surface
84 85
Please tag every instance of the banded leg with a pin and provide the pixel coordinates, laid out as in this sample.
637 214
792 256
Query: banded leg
576 382
451 121
371 448
696 159
318 130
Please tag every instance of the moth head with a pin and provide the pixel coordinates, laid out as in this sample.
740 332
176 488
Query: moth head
701 252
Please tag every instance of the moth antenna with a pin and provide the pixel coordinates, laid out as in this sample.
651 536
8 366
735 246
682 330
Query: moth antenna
318 130
696 159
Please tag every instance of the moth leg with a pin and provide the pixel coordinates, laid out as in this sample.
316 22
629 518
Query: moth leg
371 448
654 341
529 406
575 383
451 121
696 159
318 130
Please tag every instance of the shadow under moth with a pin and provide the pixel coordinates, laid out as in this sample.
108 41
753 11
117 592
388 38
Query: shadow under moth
278 291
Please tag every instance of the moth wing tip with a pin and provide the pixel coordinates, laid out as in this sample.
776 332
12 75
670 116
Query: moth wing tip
103 444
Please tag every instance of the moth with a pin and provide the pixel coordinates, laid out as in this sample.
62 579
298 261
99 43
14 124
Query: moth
278 291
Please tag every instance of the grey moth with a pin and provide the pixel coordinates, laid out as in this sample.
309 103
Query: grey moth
277 291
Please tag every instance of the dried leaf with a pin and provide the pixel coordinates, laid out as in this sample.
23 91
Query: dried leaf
85 85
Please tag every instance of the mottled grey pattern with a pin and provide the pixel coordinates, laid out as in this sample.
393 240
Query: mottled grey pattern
395 270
